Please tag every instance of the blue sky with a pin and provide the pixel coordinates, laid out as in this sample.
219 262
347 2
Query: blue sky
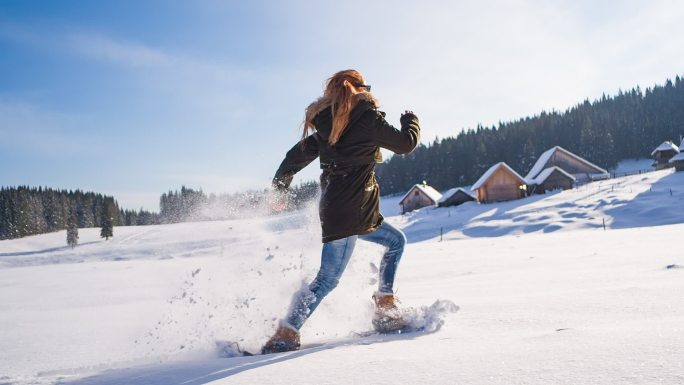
133 98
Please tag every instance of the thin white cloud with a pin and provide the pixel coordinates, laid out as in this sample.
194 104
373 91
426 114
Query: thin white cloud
139 55
129 54
463 63
198 92
33 130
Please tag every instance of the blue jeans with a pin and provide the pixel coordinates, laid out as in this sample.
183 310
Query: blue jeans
334 259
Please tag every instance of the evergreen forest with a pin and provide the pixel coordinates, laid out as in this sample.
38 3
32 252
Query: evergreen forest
625 126
28 211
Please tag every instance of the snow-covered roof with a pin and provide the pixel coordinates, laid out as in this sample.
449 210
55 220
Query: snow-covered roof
491 172
546 173
680 156
677 157
427 190
451 193
539 164
544 158
665 146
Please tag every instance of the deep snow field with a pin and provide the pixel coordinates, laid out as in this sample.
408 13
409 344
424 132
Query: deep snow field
546 296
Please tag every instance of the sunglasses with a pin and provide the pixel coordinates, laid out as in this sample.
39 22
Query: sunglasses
366 86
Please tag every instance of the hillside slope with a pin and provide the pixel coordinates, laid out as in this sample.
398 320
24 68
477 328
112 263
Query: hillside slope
546 295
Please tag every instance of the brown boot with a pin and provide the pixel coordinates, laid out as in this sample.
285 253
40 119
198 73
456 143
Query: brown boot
285 339
387 317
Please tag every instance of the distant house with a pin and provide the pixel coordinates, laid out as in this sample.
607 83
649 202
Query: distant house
455 197
662 155
499 183
420 195
581 169
678 160
552 178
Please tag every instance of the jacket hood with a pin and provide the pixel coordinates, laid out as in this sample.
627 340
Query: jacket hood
323 120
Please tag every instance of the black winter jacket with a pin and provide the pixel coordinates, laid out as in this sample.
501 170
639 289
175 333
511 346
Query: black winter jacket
350 197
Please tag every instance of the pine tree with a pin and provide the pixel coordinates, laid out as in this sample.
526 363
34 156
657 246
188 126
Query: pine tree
72 229
107 229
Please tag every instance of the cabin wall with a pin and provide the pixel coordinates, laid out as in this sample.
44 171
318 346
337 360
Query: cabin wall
482 195
457 199
415 200
663 166
501 186
664 156
572 166
662 159
555 181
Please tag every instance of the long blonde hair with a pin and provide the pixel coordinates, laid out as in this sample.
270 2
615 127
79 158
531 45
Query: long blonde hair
342 92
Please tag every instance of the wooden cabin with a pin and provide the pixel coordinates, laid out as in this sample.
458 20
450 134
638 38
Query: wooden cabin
500 183
581 169
418 196
678 160
662 155
552 178
455 197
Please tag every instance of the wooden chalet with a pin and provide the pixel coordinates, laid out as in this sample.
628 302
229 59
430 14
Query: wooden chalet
581 169
662 155
552 178
500 183
678 160
418 196
455 197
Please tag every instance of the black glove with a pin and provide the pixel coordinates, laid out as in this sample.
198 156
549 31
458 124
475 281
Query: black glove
406 117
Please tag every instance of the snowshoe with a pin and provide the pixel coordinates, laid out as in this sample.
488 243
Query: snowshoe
285 339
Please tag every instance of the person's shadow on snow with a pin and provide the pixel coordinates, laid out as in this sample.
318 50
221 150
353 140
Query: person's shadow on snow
204 371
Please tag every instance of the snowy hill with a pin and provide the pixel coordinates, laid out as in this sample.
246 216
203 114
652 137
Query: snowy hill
547 296
640 200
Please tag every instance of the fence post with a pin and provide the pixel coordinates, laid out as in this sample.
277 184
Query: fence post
604 224
441 232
